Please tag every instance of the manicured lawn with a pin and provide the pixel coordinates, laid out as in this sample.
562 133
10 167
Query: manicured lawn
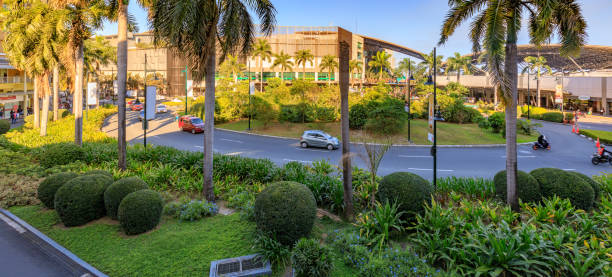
604 136
175 248
448 133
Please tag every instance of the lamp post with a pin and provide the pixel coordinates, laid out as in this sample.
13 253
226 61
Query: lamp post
185 71
436 118
528 92
250 108
145 123
408 81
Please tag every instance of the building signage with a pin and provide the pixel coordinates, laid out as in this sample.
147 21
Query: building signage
584 97
92 93
8 97
430 135
190 88
252 88
559 94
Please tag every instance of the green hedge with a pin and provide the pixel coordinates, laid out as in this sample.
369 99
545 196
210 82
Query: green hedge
118 190
603 136
409 190
99 172
528 188
594 185
5 125
285 211
557 182
140 211
60 154
49 186
81 199
553 117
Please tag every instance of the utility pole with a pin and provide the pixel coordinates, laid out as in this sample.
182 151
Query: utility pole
145 123
528 92
409 79
435 139
185 71
250 108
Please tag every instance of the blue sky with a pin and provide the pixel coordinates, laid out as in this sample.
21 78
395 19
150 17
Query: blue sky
411 23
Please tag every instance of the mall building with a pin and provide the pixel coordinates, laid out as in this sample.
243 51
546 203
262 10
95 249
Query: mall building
15 88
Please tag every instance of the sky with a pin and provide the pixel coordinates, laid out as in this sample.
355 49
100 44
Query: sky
412 23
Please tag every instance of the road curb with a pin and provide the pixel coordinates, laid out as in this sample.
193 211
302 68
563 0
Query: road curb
394 145
46 244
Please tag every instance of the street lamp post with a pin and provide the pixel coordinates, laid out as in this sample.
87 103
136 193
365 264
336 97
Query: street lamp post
436 118
185 71
528 92
250 108
145 123
408 81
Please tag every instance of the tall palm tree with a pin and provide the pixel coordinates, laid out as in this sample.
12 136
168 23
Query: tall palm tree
381 62
428 63
301 58
96 52
355 66
496 26
118 11
283 60
329 63
233 67
195 28
263 50
34 41
537 65
457 63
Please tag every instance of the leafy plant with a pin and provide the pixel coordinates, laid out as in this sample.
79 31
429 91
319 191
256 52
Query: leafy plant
378 224
197 209
309 258
272 250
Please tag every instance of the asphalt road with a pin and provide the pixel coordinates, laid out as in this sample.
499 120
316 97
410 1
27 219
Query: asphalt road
569 151
19 256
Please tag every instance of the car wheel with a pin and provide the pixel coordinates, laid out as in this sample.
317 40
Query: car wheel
595 160
304 144
330 147
193 131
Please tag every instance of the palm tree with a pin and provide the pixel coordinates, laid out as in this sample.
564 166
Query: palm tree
97 51
381 62
537 65
428 63
195 29
34 41
301 58
283 60
262 50
329 63
496 26
458 63
232 67
355 66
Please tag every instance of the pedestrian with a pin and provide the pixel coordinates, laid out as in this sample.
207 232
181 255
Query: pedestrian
12 117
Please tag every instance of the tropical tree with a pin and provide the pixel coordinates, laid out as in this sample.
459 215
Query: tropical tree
380 61
195 28
495 27
263 50
407 66
233 67
283 60
428 63
97 51
329 63
355 66
457 63
537 65
301 58
34 41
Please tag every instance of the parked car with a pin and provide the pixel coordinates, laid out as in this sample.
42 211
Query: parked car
141 116
161 109
317 138
137 106
191 124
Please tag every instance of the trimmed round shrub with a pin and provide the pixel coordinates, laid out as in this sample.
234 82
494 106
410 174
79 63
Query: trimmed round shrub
555 181
100 172
527 187
140 211
286 211
49 186
81 199
61 154
594 185
408 190
4 126
311 259
358 115
118 190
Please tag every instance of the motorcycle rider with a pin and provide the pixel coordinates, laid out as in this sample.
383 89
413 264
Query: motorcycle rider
603 151
542 141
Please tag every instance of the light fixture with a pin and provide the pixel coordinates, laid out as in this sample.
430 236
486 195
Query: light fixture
429 81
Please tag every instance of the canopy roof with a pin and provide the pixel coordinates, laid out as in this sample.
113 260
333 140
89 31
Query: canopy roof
592 57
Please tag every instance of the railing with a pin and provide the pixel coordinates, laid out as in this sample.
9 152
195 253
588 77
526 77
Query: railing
13 80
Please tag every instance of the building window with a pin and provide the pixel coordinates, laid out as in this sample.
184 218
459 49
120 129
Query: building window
359 55
358 45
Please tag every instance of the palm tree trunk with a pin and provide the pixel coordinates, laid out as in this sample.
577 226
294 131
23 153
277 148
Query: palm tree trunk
78 96
511 72
538 89
304 71
458 75
209 123
55 93
36 105
346 146
121 85
45 107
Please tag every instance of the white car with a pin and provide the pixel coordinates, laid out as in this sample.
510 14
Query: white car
161 109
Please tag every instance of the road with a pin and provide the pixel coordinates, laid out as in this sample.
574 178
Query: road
569 151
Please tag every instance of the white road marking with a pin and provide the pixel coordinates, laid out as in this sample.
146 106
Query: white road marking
569 169
13 224
429 169
525 152
198 146
231 140
406 156
518 156
301 161
233 153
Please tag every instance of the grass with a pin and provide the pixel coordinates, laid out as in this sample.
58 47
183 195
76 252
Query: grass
448 133
175 248
604 136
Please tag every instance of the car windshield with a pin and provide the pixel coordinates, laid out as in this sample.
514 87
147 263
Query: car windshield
161 106
196 121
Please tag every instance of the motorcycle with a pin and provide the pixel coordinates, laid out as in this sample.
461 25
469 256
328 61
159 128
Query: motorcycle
604 157
542 143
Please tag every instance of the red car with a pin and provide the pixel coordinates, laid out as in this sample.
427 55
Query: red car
191 124
136 107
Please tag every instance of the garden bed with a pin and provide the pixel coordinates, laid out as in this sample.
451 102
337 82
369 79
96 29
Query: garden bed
603 136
